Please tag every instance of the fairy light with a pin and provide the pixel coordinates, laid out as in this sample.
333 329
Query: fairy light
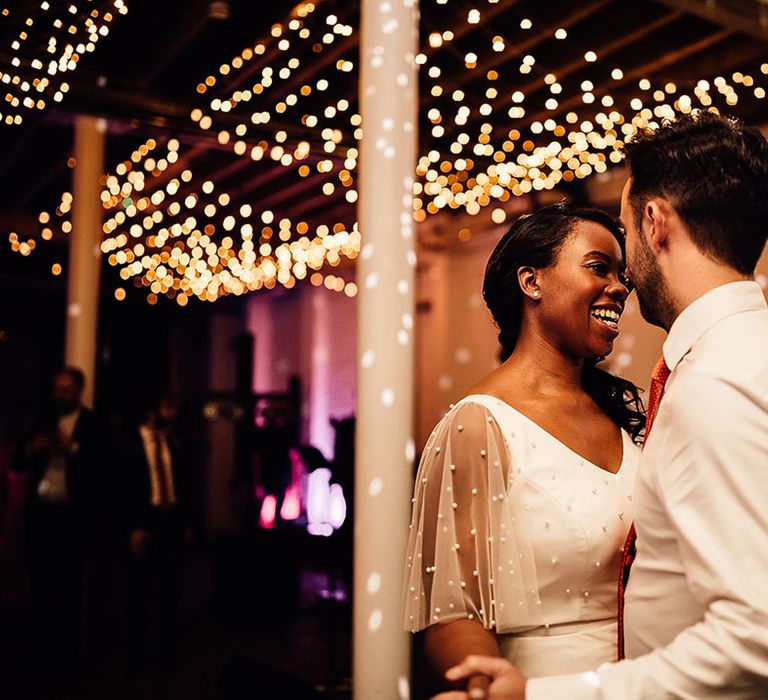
544 150
194 239
182 253
36 77
176 235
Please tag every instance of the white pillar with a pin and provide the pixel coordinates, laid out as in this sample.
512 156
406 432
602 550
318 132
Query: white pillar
384 443
84 270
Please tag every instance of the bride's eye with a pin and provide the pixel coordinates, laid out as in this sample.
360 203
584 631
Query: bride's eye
599 267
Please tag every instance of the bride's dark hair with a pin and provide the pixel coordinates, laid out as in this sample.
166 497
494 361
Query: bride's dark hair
535 240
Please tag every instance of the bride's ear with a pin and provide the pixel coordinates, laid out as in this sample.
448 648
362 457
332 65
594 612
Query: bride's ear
526 278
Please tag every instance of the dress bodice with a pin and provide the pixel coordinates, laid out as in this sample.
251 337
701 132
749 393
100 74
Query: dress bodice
512 527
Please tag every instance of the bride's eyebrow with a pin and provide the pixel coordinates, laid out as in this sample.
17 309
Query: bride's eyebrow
599 254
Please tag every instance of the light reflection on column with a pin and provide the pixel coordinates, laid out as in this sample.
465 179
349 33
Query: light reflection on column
384 444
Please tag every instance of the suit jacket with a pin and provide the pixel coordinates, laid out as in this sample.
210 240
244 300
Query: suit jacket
87 468
136 486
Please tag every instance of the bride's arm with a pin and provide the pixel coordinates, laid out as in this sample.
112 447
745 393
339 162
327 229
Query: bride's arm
450 589
447 644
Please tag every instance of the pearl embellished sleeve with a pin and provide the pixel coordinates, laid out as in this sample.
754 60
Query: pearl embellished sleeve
467 556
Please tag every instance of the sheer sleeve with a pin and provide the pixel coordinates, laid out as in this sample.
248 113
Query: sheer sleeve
468 553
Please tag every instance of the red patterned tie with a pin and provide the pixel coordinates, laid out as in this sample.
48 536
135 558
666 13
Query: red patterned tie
658 380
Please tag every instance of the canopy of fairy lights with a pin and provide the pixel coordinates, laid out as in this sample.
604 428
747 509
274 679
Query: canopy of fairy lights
46 46
178 234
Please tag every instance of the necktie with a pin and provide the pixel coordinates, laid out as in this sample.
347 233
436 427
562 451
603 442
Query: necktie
163 489
658 380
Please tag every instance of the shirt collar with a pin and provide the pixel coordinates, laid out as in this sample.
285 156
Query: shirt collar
711 308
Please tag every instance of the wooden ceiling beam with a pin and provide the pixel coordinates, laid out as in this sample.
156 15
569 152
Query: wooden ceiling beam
487 15
584 11
688 74
644 71
747 17
520 48
283 194
257 64
610 48
460 32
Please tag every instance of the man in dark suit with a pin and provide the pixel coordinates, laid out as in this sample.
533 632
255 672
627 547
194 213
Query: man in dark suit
65 458
155 520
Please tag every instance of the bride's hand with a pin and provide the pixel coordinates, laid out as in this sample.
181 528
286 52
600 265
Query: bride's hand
506 682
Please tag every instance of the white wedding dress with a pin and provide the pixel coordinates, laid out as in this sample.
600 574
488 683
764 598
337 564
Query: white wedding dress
513 528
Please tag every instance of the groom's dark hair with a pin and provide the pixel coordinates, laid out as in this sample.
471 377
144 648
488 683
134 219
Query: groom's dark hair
714 169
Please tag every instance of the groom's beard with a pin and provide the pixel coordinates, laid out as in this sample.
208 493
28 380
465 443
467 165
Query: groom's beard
656 304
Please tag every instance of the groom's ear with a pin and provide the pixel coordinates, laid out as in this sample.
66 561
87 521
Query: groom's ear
656 223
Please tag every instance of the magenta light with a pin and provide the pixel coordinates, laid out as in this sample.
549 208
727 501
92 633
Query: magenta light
291 507
268 512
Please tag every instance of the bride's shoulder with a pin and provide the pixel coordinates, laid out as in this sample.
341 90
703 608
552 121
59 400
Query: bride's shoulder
478 408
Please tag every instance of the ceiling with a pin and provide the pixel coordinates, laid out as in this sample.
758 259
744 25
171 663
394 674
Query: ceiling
144 78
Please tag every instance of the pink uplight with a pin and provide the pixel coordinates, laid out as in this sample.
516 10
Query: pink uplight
291 507
268 512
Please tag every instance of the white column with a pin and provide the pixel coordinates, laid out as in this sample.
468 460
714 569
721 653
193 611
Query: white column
384 442
84 270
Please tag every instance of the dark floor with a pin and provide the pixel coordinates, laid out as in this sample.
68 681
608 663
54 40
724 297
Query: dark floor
263 618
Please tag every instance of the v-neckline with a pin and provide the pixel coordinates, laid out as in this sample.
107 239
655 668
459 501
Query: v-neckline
581 457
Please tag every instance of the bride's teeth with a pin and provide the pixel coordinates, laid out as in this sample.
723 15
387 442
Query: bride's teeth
607 316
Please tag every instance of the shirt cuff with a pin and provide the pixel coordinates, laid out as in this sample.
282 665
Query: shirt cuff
579 686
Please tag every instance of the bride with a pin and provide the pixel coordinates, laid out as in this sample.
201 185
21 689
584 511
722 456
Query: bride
523 497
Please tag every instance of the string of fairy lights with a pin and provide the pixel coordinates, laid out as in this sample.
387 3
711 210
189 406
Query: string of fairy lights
46 46
178 235
191 238
539 153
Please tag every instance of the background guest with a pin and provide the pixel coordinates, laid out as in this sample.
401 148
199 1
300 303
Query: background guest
66 460
155 527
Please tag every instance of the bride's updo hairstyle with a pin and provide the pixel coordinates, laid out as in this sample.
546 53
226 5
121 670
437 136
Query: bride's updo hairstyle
535 240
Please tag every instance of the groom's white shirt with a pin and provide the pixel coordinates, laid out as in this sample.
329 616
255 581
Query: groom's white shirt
696 609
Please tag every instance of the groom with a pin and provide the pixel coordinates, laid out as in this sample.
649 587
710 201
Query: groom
695 210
